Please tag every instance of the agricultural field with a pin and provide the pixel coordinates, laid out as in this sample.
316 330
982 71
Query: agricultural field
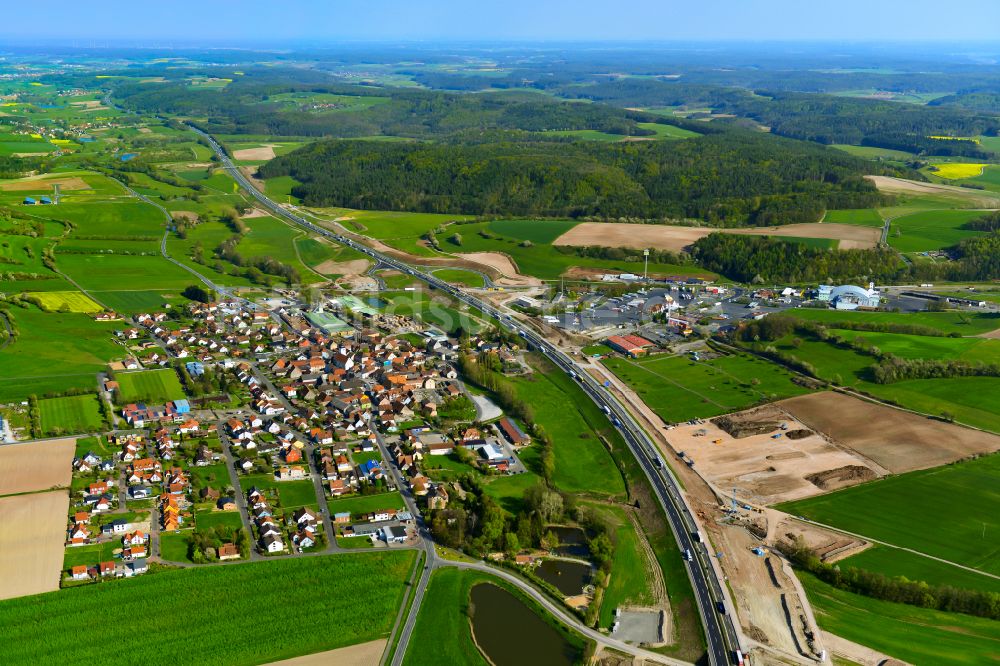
129 218
896 562
678 388
67 301
133 302
918 635
947 512
32 534
55 351
873 153
931 230
207 630
867 217
105 272
155 386
956 170
529 243
973 350
963 323
33 466
677 238
967 400
78 413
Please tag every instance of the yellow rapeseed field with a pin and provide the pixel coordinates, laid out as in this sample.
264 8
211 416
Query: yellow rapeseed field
954 170
73 300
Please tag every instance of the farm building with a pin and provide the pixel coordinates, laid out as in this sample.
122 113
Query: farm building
849 296
29 201
631 345
512 432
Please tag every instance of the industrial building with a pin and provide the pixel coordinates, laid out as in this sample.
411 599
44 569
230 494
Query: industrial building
630 345
849 296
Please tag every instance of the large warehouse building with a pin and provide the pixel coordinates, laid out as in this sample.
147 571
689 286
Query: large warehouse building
849 296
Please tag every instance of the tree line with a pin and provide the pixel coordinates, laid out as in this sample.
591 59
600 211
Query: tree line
897 589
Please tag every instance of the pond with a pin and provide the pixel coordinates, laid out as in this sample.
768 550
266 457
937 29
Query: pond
375 302
512 634
572 541
569 577
128 156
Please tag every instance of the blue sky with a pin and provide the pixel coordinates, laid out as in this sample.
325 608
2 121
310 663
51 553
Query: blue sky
336 21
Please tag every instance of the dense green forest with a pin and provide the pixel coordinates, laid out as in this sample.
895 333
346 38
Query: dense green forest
736 178
766 259
422 114
824 119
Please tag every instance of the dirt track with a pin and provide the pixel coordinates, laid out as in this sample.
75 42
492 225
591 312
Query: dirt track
894 439
677 238
35 466
32 532
362 654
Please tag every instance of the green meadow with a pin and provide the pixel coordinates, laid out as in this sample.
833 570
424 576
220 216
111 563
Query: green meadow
917 635
54 351
155 386
931 230
72 414
948 512
678 388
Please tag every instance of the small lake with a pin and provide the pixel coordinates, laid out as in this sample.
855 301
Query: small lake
128 156
568 577
572 541
512 634
375 302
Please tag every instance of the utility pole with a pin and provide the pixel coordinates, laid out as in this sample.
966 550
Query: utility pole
645 270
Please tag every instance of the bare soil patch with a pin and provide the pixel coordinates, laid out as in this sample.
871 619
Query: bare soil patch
265 152
761 468
251 173
32 532
828 545
832 479
677 238
501 263
353 267
362 654
188 215
254 212
32 466
895 440
28 184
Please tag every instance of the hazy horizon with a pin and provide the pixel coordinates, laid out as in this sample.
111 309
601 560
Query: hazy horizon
528 21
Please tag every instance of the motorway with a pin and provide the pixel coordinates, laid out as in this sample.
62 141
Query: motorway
722 636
